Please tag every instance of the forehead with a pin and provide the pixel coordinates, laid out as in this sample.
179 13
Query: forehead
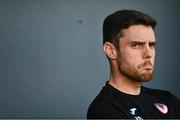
139 33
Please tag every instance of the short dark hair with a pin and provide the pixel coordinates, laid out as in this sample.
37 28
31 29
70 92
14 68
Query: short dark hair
122 19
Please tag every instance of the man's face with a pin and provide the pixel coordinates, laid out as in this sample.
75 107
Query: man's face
137 53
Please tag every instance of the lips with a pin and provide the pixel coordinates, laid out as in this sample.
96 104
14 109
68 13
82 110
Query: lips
147 65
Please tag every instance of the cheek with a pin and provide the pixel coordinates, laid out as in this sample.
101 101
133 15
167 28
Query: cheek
134 57
131 59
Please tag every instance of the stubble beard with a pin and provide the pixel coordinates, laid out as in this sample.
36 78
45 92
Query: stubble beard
134 74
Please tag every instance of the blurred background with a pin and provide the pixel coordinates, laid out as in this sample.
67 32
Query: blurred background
51 60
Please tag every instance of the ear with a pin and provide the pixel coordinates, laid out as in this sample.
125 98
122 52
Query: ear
110 50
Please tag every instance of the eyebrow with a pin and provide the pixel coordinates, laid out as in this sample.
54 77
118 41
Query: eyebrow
140 42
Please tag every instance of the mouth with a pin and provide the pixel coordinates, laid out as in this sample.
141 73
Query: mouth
147 66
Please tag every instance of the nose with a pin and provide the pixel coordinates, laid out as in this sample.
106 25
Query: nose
148 52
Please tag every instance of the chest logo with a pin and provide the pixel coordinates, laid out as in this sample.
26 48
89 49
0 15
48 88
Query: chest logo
132 111
161 107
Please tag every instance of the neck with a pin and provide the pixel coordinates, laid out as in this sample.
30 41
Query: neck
123 84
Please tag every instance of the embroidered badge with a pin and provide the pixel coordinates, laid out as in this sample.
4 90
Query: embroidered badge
161 107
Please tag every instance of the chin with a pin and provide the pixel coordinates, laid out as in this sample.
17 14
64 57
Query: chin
146 78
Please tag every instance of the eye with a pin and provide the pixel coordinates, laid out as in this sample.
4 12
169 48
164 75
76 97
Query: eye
136 45
152 45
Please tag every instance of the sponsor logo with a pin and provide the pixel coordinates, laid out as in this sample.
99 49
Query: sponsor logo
132 111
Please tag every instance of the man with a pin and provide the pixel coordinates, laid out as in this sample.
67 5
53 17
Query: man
129 43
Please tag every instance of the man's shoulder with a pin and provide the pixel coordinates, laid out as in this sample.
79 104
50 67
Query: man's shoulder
156 92
147 89
103 105
103 96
